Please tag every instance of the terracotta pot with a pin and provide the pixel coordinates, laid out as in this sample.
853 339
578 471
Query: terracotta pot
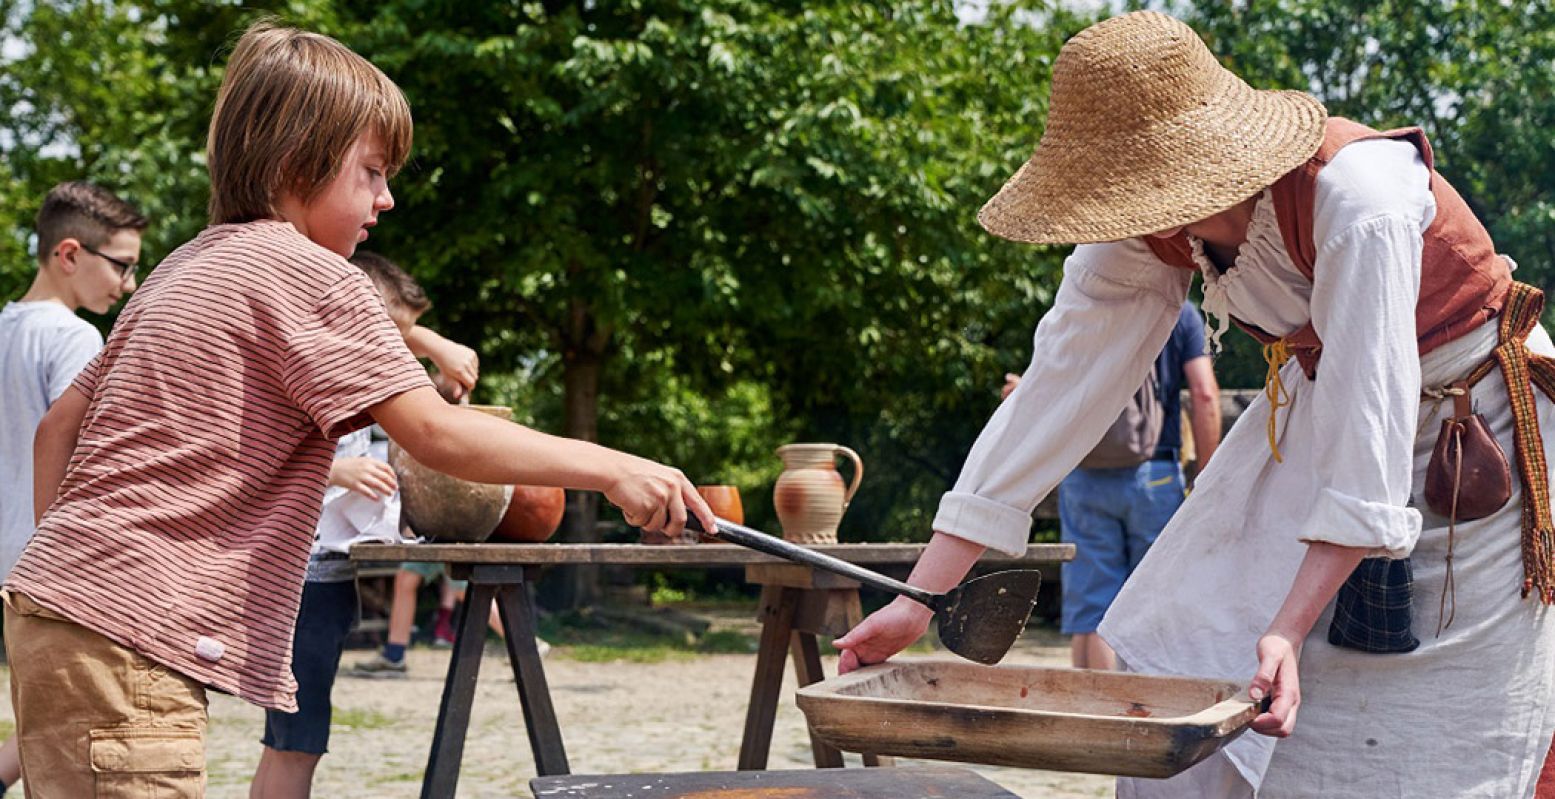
533 515
810 497
445 508
725 502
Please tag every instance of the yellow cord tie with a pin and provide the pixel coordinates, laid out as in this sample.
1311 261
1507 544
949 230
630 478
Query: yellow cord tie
1275 355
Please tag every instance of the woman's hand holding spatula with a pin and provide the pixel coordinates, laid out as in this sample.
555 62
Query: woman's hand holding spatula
896 626
886 632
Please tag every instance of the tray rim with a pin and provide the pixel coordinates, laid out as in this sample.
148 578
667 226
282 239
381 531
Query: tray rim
1223 716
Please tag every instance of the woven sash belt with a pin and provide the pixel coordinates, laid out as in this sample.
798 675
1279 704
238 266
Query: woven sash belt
1522 370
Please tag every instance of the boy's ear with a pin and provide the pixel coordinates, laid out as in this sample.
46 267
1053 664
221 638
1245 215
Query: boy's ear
65 253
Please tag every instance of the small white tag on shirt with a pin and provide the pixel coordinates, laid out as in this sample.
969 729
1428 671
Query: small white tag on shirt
208 648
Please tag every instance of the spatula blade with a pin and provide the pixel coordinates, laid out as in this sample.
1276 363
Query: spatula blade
981 618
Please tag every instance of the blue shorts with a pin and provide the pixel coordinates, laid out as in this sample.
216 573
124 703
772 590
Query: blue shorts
1112 516
432 572
328 612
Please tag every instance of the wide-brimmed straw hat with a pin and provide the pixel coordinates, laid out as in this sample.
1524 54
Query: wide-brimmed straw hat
1147 131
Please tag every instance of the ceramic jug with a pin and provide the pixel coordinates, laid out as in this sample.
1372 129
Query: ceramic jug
810 497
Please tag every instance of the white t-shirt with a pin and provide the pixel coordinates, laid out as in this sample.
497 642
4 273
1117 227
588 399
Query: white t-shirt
42 347
350 518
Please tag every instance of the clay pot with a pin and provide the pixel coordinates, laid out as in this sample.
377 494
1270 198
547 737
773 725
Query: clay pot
532 516
810 497
445 508
725 502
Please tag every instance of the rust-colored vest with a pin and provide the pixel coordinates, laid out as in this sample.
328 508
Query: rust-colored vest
1463 282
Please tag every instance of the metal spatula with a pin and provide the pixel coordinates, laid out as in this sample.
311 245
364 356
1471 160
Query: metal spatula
978 620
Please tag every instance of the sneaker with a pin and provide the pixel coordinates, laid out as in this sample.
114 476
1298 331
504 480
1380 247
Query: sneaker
379 667
443 635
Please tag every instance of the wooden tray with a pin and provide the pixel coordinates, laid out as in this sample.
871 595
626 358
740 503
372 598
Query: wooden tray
1060 719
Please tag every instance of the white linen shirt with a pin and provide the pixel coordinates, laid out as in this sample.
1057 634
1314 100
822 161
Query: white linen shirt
1114 312
349 518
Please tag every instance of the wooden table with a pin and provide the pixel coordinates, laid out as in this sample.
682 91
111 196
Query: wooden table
798 603
939 781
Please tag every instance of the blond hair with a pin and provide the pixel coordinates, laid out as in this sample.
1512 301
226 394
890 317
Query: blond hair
291 105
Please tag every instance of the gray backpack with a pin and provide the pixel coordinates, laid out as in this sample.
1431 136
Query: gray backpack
1132 438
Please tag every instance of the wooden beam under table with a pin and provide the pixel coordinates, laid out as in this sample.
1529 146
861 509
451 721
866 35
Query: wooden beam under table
508 587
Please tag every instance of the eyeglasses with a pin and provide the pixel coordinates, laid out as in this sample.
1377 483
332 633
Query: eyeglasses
126 269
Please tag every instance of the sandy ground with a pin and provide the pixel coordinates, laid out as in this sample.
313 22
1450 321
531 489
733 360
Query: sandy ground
681 714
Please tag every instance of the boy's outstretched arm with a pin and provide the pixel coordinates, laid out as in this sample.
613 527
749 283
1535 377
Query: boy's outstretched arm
474 446
52 446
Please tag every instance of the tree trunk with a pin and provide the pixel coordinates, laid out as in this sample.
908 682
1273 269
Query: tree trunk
574 587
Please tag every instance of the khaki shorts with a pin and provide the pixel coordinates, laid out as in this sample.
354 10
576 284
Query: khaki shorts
96 719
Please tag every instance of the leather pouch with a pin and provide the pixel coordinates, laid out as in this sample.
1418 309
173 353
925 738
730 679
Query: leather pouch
1467 462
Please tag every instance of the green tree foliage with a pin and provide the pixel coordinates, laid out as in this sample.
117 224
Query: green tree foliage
697 230
117 93
1475 74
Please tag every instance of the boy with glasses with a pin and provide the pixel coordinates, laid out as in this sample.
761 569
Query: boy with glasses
88 246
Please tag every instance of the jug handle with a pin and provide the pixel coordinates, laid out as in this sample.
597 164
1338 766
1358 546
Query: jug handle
858 474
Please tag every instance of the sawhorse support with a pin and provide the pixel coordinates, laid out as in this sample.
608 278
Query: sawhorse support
508 586
798 603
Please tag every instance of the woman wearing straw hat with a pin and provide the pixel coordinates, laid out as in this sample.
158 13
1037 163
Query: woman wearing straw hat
1364 547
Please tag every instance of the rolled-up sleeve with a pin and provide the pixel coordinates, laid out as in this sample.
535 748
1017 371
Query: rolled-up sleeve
1113 313
1367 393
1373 203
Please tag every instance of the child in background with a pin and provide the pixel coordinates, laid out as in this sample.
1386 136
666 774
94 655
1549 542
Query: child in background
361 504
389 662
88 248
184 469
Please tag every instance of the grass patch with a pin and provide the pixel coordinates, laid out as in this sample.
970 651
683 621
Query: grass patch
579 636
598 653
353 719
726 642
7 729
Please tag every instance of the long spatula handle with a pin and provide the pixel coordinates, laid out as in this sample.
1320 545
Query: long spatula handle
772 545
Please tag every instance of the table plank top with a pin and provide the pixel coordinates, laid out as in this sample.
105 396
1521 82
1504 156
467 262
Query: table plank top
831 783
670 555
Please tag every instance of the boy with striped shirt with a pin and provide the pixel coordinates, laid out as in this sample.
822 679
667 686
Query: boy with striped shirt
183 470
362 504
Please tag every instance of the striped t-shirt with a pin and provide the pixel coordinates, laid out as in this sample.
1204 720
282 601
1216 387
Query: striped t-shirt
183 524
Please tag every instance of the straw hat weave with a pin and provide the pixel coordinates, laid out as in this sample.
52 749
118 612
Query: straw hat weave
1147 131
